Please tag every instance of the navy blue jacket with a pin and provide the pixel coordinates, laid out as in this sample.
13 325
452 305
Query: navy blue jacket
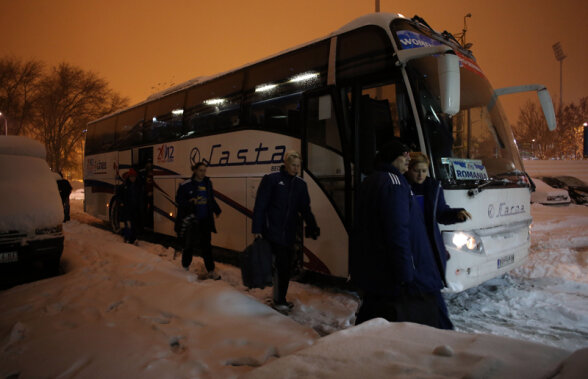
131 196
188 190
280 199
436 211
392 255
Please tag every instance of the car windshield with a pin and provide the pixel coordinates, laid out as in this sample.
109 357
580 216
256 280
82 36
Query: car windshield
479 134
572 181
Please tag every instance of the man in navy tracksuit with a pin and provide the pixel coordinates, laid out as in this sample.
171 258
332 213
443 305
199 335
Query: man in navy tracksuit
281 197
195 221
393 262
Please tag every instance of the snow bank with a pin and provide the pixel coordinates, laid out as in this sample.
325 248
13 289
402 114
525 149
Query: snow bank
379 349
17 145
121 311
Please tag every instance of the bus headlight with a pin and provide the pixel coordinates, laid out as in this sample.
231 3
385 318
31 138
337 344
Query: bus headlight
465 241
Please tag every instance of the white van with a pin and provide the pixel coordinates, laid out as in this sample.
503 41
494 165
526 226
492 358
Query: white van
31 212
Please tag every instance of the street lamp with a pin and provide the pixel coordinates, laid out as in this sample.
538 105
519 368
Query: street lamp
462 36
560 56
5 123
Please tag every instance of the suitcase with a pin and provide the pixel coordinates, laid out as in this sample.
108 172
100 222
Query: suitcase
256 264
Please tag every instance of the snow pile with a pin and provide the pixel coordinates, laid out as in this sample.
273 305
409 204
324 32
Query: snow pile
121 311
379 349
559 243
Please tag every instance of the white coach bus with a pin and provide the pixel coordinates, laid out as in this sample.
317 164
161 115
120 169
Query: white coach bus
336 99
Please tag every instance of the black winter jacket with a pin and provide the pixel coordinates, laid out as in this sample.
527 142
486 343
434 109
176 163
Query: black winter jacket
188 190
280 199
392 255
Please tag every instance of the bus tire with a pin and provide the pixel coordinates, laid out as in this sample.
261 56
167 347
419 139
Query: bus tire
114 215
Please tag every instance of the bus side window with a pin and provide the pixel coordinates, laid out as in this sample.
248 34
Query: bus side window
279 114
214 106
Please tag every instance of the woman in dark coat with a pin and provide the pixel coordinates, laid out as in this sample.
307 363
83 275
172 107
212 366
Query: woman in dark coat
429 195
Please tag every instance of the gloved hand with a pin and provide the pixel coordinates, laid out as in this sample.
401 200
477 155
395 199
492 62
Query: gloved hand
312 232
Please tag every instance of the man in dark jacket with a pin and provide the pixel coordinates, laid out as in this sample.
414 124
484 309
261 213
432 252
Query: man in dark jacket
393 261
195 220
281 197
64 191
131 196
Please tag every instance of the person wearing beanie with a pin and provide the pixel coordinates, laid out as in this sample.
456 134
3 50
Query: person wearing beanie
392 264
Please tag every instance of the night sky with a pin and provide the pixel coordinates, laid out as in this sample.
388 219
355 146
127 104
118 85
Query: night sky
144 46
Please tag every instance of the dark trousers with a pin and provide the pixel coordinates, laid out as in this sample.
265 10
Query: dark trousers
130 230
197 237
282 265
66 210
418 308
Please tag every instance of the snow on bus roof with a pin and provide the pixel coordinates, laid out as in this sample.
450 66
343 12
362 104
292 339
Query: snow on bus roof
380 19
19 145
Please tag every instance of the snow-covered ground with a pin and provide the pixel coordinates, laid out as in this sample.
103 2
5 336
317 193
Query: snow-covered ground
128 311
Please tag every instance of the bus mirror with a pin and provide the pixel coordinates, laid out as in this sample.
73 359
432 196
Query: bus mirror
449 83
544 99
547 106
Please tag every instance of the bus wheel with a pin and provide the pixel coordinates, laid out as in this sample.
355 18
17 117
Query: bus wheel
114 215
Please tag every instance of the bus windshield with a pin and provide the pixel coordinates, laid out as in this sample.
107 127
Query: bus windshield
478 137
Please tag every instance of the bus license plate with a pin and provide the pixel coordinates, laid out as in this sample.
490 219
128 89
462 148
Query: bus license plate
505 261
11 256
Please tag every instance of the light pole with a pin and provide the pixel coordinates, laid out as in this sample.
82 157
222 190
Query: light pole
560 56
462 36
5 123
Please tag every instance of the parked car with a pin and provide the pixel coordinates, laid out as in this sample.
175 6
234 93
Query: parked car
31 212
545 194
577 189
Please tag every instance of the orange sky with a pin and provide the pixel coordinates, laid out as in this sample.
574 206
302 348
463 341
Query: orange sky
143 46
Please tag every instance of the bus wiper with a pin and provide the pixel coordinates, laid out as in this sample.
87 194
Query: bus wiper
511 173
491 181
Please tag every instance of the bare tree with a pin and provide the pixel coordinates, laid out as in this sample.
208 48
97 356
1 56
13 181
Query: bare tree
531 131
18 84
68 98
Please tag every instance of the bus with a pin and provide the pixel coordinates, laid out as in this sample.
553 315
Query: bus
336 99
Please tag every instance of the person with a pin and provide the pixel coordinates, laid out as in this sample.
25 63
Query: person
147 178
64 191
195 220
392 264
131 195
429 196
281 197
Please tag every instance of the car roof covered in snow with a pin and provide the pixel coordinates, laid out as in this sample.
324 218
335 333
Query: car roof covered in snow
19 145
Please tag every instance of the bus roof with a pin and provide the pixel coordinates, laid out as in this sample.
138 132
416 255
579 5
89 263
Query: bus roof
379 19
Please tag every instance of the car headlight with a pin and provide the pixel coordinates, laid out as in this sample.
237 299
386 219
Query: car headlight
53 230
464 241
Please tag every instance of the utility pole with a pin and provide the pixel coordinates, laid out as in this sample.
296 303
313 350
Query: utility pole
461 37
560 56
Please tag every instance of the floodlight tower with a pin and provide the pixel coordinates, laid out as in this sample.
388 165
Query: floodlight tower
560 56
